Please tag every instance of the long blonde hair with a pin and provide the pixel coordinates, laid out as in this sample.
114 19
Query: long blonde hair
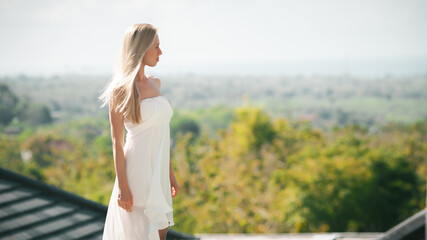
122 91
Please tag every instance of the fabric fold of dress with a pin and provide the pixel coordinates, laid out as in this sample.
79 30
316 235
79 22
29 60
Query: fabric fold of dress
147 154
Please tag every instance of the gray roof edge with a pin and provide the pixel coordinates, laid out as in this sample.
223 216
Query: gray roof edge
44 187
406 227
180 235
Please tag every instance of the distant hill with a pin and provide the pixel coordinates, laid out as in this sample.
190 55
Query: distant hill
326 101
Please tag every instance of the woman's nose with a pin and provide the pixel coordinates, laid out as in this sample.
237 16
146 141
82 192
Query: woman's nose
160 52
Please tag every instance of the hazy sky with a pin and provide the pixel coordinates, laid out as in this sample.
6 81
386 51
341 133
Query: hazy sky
84 36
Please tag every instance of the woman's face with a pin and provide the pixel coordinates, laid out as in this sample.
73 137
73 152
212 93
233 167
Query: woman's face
152 55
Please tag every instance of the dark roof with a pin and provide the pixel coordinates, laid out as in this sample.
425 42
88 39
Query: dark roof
31 209
413 228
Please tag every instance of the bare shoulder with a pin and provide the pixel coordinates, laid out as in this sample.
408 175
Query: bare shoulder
156 80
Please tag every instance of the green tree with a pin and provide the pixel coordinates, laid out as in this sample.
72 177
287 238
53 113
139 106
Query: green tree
282 176
258 175
8 103
35 114
183 124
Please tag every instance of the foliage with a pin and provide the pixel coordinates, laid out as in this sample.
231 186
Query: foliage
182 124
12 107
290 177
35 114
75 157
258 175
351 186
8 103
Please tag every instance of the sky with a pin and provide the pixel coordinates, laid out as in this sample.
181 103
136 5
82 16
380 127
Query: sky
46 37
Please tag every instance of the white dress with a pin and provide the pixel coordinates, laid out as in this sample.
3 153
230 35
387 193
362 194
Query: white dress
147 153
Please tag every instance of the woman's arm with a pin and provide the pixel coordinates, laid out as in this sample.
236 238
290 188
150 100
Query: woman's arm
117 136
174 183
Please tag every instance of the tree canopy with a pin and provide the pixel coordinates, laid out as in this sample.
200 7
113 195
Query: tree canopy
260 175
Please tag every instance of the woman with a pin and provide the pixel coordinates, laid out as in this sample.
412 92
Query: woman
141 202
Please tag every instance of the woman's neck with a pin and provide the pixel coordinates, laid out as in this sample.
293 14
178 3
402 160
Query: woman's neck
141 74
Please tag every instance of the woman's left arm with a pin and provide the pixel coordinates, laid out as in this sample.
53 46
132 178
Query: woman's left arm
174 183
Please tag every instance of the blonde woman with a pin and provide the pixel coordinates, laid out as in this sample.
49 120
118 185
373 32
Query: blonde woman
141 202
